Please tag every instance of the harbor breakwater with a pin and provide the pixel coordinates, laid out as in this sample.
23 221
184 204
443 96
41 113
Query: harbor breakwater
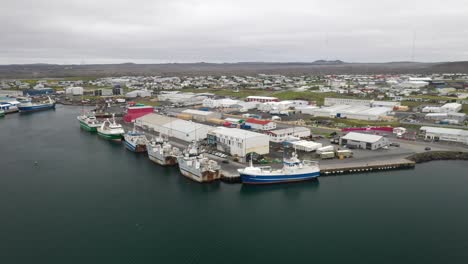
438 155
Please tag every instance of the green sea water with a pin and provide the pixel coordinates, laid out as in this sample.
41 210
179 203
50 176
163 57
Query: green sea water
91 201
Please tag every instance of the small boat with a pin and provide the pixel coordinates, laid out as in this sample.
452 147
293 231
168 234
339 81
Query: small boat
89 122
197 167
111 130
29 106
293 170
135 141
163 153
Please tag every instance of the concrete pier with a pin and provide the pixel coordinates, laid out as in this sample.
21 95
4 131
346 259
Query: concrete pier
360 167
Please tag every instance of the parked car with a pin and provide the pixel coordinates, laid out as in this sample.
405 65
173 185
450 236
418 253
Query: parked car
394 144
427 148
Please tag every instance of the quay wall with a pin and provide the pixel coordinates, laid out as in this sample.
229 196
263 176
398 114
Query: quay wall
438 155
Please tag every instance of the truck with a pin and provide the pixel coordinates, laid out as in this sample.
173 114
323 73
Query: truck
325 149
327 155
344 153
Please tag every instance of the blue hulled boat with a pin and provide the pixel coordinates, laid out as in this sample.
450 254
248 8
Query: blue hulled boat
293 170
29 106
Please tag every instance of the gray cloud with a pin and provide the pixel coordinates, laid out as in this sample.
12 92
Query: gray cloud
152 31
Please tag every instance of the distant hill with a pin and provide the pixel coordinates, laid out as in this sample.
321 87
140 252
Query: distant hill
242 68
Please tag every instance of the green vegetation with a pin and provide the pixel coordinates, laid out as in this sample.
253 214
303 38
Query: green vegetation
84 79
231 93
309 96
465 109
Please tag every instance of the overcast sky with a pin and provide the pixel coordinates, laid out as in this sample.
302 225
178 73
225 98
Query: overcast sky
153 31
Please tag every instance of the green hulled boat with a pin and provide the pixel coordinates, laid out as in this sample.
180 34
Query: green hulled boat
89 122
110 130
2 113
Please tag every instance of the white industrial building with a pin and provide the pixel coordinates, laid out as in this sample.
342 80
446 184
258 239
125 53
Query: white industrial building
304 145
345 101
182 98
452 118
281 135
364 141
217 103
74 91
138 93
352 112
261 99
446 108
184 130
444 134
201 116
239 142
359 102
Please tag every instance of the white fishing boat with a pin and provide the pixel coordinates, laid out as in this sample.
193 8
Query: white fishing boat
162 153
197 167
111 130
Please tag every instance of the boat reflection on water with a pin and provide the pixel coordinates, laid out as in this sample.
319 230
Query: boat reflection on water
287 188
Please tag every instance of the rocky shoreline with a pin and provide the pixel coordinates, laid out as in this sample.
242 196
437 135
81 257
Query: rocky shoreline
438 155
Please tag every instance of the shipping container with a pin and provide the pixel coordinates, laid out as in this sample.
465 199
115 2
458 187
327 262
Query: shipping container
327 155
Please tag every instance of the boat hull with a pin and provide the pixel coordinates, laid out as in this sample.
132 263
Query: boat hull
167 161
87 127
35 108
113 137
135 148
272 179
206 176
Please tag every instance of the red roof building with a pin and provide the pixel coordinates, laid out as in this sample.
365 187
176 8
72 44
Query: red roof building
135 112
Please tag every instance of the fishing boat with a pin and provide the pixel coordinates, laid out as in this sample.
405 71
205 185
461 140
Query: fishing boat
111 130
293 170
135 141
29 106
89 122
197 167
163 153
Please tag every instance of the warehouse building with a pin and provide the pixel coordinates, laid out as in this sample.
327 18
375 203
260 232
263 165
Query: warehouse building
356 102
446 108
261 99
363 141
181 129
138 93
281 135
451 118
38 92
360 112
239 142
444 134
74 91
220 103
201 116
182 98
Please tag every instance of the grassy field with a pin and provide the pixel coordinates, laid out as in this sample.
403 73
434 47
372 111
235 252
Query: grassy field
465 109
243 93
309 96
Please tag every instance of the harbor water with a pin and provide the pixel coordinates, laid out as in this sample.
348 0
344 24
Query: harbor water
68 196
